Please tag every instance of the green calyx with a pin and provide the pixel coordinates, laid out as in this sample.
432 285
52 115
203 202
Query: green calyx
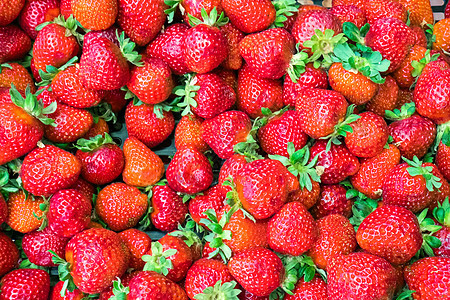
342 128
250 147
232 199
362 207
187 93
297 65
71 25
419 65
405 293
218 235
44 207
429 34
64 273
213 19
119 290
127 48
442 213
299 165
158 261
89 145
5 65
189 233
9 180
32 105
51 72
442 135
103 111
427 227
406 111
170 12
219 291
355 34
417 169
323 45
284 9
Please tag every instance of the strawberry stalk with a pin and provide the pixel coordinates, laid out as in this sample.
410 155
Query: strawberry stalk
218 235
427 227
416 169
220 291
284 9
212 19
322 45
158 261
64 273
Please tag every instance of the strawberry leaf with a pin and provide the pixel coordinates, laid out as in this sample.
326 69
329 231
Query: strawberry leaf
159 261
442 212
220 291
170 12
119 290
64 273
284 9
322 45
406 111
213 19
89 145
417 169
127 48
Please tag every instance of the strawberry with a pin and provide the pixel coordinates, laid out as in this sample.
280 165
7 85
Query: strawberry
378 9
189 171
392 38
204 46
212 198
229 76
151 285
206 95
369 136
59 286
57 169
234 37
138 242
37 243
335 236
357 3
311 78
21 211
431 95
419 36
112 34
257 270
9 254
3 210
95 15
205 273
99 128
429 278
169 210
35 13
15 43
108 258
412 185
447 11
152 83
292 230
230 168
69 213
141 20
349 13
333 200
25 284
316 289
373 171
168 47
65 8
250 16
150 128
420 11
16 74
403 75
194 8
360 275
413 134
115 98
188 133
387 97
10 11
442 160
338 162
255 93
441 214
120 206
142 166
101 159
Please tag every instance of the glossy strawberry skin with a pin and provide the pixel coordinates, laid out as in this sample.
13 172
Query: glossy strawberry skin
10 11
14 43
121 206
194 8
21 211
333 107
349 13
188 133
231 168
360 276
429 277
138 242
378 9
387 97
56 293
443 160
19 76
151 285
25 284
37 12
306 197
332 200
69 212
189 171
316 289
94 15
49 169
21 132
403 74
102 165
250 16
9 254
390 232
258 270
37 243
3 210
443 235
292 230
168 208
212 198
234 37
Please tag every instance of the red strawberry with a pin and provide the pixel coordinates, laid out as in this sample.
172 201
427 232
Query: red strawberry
69 213
138 242
360 276
3 210
169 210
65 8
151 285
25 284
255 93
420 39
115 98
212 198
9 254
429 278
292 230
37 243
335 236
22 211
168 47
142 166
333 200
250 16
357 3
231 168
316 289
258 270
204 46
349 13
188 133
99 128
13 73
189 171
234 37
101 159
121 206
338 162
95 15
378 9
84 187
56 293
403 75
443 159
194 8
387 97
49 169
111 34
37 12
141 20
420 11
15 44
146 126
10 11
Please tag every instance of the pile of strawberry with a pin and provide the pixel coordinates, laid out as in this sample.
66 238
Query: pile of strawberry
329 130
